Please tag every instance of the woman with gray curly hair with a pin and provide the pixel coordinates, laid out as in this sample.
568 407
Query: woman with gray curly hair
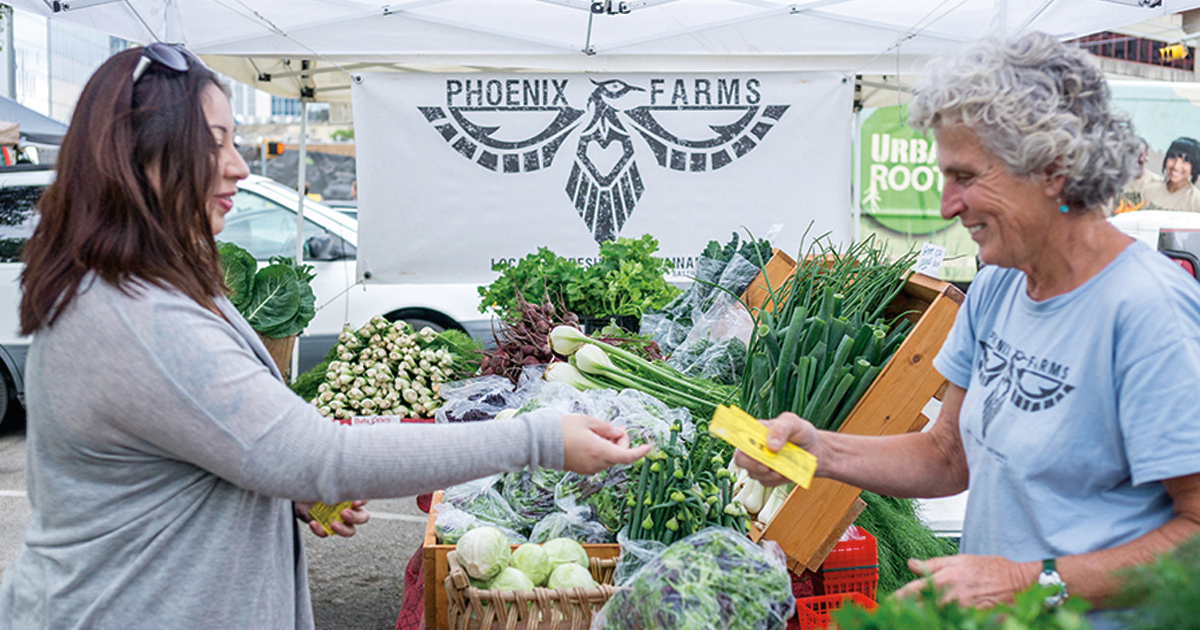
1075 360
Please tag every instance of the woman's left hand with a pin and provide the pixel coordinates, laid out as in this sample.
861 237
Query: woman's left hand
354 515
979 581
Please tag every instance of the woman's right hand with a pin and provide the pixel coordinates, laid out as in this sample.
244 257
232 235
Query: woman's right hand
788 427
591 445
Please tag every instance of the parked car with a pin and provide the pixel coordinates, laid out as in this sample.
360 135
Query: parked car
1175 234
263 221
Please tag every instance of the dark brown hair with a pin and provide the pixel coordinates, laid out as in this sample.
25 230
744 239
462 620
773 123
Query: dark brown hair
103 213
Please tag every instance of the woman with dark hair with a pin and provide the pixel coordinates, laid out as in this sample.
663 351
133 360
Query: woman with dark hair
168 462
1073 364
1177 189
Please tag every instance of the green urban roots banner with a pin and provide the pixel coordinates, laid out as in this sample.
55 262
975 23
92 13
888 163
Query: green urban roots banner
901 189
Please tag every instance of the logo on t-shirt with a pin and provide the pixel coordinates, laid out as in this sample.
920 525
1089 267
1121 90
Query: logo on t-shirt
1015 377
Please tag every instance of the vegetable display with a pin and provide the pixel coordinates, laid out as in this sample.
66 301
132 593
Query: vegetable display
681 514
387 368
627 279
277 300
715 579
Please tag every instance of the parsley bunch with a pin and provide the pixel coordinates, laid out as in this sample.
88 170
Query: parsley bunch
627 280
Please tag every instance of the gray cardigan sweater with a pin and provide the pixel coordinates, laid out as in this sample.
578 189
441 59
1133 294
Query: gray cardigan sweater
164 455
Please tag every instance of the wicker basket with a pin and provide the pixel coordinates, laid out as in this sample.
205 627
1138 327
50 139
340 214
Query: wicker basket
541 609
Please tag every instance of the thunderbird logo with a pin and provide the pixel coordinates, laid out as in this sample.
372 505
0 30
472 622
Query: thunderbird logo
1025 381
605 183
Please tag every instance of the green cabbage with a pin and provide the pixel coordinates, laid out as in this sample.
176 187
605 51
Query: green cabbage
533 561
570 575
564 550
483 552
511 579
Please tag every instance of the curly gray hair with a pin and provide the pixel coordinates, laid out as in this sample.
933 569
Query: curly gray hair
1041 107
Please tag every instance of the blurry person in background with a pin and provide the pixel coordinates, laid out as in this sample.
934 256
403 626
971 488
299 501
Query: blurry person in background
1131 198
1176 190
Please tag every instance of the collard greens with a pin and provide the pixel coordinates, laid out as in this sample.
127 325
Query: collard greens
277 300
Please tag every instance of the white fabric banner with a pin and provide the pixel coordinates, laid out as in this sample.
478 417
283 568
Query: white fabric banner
457 172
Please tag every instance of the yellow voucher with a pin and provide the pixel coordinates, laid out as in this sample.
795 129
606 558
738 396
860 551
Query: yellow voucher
327 514
750 437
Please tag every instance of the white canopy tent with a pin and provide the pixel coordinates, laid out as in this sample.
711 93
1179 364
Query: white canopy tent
311 48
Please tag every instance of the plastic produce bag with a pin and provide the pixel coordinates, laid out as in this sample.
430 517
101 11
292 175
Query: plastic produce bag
738 274
644 417
476 399
599 498
559 397
573 522
715 578
480 498
530 493
716 346
634 554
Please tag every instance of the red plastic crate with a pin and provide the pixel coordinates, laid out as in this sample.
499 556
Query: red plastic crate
851 567
813 612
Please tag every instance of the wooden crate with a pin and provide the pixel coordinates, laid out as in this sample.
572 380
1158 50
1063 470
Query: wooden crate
437 602
775 271
811 521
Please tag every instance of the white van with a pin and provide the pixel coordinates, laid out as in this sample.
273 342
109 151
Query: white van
263 221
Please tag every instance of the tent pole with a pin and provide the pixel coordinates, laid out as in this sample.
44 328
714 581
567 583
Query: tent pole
301 180
10 59
856 176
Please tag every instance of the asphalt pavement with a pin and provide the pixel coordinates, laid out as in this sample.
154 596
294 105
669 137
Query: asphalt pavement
357 583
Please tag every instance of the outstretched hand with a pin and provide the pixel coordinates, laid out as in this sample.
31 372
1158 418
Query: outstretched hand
590 445
788 427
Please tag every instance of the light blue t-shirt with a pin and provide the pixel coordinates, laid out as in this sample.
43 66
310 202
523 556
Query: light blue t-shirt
1076 406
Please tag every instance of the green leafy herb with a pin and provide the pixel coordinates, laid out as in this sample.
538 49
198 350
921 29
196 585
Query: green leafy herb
627 279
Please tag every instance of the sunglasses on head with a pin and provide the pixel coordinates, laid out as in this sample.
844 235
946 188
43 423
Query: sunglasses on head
171 56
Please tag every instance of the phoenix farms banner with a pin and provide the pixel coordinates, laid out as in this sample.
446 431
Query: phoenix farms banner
457 172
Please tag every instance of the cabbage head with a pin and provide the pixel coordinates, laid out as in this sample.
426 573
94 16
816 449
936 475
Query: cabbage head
570 575
533 561
564 550
511 579
483 552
